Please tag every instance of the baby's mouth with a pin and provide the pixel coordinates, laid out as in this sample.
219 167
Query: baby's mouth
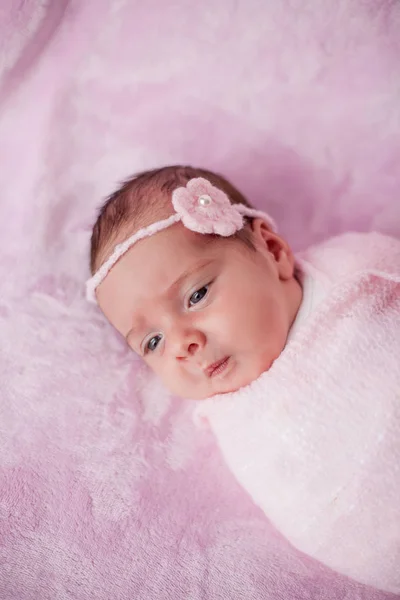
217 368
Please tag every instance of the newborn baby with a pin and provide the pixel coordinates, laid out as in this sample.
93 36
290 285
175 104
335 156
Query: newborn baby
296 359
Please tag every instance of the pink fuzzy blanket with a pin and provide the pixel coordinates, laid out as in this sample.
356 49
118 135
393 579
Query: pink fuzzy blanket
107 491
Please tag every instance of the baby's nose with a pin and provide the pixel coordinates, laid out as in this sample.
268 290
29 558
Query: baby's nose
190 344
192 348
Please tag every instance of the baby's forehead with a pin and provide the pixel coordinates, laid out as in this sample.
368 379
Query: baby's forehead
123 229
170 251
151 267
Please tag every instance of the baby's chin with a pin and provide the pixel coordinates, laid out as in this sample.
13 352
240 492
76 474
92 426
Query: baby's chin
201 392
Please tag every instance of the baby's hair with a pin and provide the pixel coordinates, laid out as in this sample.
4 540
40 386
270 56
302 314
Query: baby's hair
146 197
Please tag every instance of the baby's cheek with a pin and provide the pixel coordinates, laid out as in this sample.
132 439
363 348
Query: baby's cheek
274 328
176 380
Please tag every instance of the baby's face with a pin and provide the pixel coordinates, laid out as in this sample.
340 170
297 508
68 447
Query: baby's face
208 316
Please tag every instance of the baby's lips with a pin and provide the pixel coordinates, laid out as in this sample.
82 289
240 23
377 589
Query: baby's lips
211 368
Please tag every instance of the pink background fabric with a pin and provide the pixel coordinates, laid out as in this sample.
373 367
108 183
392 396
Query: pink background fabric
107 490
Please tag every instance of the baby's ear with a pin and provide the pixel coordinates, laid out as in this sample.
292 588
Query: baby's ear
276 246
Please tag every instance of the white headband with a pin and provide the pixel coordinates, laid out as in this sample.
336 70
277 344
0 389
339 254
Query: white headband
201 207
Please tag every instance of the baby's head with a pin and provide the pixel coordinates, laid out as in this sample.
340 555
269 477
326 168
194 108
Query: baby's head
208 312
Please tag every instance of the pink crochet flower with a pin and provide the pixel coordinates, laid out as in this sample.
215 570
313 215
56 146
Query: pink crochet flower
206 209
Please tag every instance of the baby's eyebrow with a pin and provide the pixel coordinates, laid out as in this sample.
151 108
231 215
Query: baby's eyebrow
176 284
134 330
130 332
189 272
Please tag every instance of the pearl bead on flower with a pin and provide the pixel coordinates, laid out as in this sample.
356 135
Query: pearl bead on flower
205 200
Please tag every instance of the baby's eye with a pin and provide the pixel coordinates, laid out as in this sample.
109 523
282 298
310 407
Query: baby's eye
198 295
153 343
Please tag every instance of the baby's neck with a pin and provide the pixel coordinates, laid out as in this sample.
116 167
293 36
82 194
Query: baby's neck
294 296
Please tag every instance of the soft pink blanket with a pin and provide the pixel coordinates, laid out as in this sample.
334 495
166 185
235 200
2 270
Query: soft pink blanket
106 489
315 441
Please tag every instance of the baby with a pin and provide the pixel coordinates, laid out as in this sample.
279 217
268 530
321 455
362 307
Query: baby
296 359
207 312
